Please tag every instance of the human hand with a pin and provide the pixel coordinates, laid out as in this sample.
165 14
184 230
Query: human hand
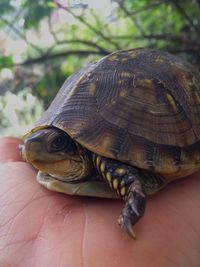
42 228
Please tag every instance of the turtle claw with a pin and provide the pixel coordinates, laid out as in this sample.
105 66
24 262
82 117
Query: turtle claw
126 226
129 230
133 210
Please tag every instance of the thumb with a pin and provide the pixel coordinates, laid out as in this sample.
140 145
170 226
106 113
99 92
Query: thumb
9 150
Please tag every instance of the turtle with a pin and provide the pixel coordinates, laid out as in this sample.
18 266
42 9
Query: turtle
122 127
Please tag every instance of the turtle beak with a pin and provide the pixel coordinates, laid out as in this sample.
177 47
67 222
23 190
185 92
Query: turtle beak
22 151
25 151
31 149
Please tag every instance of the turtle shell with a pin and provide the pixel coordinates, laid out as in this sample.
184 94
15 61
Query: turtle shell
138 106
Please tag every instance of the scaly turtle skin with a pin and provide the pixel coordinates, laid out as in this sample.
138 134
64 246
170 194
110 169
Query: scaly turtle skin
131 119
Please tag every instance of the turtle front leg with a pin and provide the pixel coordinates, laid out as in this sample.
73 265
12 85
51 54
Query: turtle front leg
131 184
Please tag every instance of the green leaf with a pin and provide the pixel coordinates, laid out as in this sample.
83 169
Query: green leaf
6 62
5 6
52 4
35 12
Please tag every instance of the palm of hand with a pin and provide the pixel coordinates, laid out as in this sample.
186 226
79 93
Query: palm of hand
42 228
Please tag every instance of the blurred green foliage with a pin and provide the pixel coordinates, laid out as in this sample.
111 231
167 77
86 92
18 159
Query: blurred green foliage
58 37
6 62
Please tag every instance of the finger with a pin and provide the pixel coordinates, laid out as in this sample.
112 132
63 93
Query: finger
9 150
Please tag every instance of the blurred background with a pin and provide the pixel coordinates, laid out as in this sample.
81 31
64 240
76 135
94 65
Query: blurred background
43 42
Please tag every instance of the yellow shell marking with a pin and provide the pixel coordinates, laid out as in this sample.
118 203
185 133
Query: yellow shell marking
109 177
171 102
81 79
124 59
102 167
98 159
120 171
159 60
133 54
92 88
105 142
123 93
122 191
112 57
122 183
146 83
115 184
126 74
120 81
197 96
38 128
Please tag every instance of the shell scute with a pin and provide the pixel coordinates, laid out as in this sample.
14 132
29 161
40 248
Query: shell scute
139 106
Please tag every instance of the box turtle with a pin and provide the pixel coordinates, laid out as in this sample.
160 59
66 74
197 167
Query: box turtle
123 127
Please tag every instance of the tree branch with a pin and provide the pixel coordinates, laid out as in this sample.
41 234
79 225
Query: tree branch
131 15
80 53
146 7
166 37
52 31
82 20
23 37
84 42
185 15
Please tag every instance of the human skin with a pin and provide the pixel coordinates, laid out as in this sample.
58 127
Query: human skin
42 228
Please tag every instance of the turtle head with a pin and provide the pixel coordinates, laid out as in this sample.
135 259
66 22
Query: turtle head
53 151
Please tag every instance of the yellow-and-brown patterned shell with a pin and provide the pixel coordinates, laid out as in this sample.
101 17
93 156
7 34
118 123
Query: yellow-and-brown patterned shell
139 106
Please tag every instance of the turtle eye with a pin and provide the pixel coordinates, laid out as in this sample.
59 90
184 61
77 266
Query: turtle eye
59 143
